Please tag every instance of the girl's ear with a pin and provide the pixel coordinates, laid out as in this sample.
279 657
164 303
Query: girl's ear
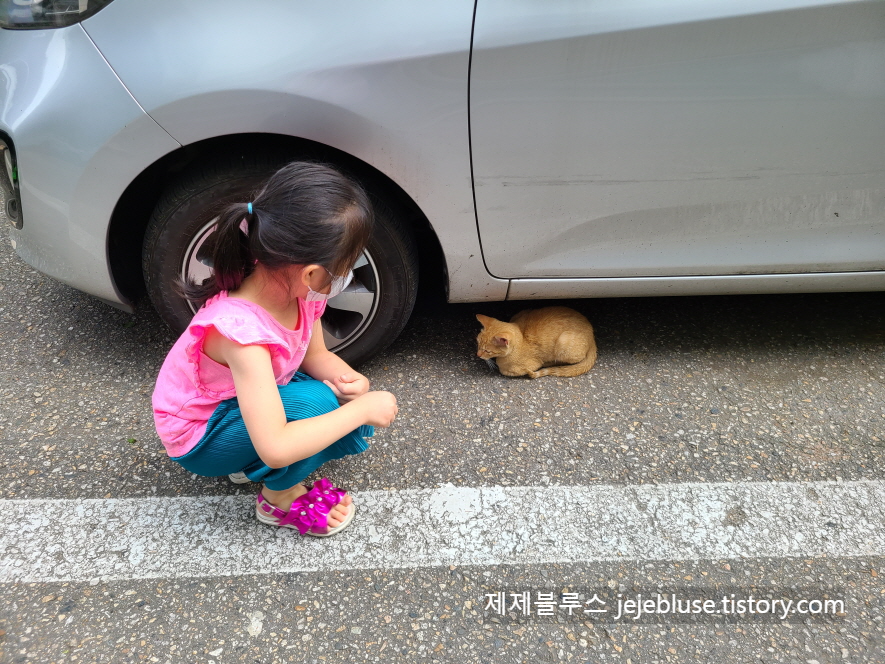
485 320
502 341
308 272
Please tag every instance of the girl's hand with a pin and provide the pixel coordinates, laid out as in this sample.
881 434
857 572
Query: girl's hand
379 408
349 386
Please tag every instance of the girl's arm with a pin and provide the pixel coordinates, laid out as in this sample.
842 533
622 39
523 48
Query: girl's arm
324 365
278 442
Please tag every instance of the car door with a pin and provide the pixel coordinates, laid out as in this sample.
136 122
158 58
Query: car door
627 138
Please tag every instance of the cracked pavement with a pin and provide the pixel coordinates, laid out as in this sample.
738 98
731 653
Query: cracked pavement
707 390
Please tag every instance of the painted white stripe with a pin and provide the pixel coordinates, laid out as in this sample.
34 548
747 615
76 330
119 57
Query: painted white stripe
81 540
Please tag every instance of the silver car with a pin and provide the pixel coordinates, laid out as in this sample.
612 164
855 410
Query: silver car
530 149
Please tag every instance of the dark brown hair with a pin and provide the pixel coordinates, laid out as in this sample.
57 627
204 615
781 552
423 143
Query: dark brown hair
305 213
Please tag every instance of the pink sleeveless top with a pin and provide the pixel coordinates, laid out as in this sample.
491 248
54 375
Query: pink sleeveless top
191 385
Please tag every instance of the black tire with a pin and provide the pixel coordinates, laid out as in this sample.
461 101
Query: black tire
387 274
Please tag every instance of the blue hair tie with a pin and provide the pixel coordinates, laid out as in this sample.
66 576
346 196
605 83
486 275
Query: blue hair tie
249 207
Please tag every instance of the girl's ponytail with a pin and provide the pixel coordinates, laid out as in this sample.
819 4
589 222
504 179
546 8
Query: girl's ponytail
231 256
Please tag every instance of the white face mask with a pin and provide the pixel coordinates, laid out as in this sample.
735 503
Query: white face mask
338 285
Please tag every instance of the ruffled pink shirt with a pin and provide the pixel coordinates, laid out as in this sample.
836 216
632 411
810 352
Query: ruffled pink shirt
191 384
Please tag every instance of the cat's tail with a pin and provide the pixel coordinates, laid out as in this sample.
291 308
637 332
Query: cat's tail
569 370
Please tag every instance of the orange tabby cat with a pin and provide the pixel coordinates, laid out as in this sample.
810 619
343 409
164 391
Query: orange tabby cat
555 337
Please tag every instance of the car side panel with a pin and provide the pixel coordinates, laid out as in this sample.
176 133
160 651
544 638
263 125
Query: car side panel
683 137
80 139
383 81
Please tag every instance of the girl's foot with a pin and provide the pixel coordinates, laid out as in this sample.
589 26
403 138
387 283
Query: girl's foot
284 500
323 510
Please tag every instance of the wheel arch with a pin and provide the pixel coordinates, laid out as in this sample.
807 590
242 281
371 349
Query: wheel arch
133 209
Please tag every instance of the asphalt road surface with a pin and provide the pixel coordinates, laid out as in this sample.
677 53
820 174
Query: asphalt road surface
723 448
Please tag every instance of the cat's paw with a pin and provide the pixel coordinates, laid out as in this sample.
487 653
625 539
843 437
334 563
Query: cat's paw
534 374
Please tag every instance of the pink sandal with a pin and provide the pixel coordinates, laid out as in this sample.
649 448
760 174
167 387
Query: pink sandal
309 512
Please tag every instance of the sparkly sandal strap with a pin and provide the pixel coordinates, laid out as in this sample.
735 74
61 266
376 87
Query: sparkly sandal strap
267 508
307 515
324 492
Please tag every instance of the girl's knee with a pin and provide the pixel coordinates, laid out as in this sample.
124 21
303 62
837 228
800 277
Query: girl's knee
305 399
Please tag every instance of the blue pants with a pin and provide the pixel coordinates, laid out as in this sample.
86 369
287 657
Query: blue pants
226 447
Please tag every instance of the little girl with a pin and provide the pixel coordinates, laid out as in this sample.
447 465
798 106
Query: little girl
230 397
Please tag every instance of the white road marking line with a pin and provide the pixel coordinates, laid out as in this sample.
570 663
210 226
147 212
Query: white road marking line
142 538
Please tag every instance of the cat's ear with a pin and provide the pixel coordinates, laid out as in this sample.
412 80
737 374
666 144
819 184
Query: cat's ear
502 341
485 320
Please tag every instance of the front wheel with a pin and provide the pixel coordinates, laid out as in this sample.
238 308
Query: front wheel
357 324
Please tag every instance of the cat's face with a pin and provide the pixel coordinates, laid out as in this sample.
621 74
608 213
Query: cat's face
495 340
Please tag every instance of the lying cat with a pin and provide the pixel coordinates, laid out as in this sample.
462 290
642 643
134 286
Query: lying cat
555 337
